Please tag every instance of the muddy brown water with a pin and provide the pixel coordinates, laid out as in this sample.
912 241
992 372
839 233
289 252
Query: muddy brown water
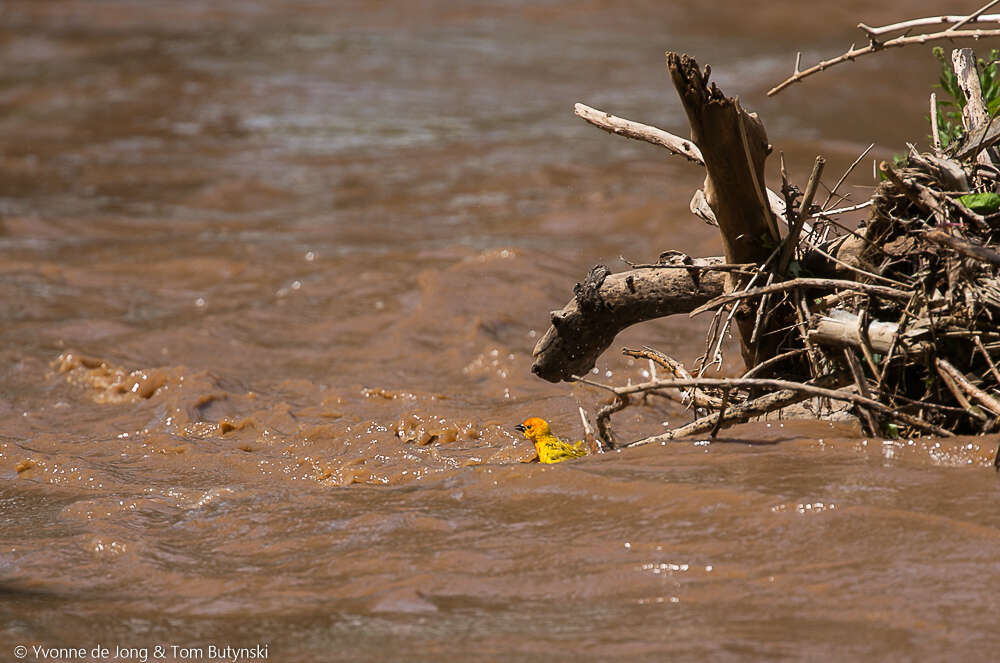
271 274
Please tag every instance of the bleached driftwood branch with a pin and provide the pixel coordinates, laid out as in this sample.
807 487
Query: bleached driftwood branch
975 115
903 26
675 144
953 33
644 132
844 328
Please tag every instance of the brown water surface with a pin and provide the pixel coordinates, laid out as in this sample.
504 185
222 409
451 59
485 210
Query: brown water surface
271 275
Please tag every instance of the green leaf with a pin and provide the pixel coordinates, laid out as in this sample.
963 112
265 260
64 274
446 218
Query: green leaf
983 203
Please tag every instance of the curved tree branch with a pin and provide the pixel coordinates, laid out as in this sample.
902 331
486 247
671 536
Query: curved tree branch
605 304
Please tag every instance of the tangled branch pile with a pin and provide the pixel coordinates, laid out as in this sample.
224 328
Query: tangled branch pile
897 318
939 353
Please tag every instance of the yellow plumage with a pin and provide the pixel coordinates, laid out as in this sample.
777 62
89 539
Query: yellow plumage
550 448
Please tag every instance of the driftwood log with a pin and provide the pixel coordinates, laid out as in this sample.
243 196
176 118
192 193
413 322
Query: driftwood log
732 145
604 304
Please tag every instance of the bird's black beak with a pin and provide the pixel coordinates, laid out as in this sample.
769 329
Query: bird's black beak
519 428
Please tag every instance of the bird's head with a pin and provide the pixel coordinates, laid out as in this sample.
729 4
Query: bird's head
533 427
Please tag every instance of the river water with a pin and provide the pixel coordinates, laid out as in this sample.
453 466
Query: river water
271 276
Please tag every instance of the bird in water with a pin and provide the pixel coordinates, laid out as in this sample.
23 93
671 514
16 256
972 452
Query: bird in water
549 447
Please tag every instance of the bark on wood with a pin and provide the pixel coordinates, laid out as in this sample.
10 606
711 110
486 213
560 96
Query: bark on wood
605 304
975 116
844 328
985 399
732 187
734 147
963 246
980 139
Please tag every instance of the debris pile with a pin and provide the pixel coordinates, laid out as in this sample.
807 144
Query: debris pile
896 318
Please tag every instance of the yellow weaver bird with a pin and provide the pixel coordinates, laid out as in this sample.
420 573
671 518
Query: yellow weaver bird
549 447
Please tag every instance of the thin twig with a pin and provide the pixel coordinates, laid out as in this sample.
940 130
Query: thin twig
722 414
875 46
924 22
593 383
812 390
710 336
792 239
653 355
985 399
866 341
956 391
859 379
826 214
593 443
720 338
695 397
830 214
846 174
935 132
871 288
922 404
976 16
989 360
638 131
759 368
736 414
604 418
856 269
802 315
758 322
